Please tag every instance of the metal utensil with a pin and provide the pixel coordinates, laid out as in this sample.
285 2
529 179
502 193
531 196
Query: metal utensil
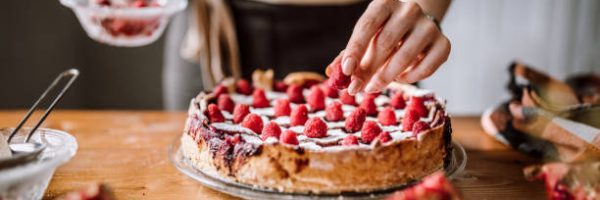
29 151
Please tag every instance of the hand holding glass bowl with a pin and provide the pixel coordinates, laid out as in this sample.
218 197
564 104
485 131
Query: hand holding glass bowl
127 23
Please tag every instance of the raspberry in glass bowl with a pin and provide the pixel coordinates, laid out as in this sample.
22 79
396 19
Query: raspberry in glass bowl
126 23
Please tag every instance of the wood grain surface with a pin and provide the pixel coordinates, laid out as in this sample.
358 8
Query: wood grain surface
128 151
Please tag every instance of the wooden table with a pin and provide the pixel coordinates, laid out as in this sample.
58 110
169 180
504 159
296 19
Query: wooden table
128 151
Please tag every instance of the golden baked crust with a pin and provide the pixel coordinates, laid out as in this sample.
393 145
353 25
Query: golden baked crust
292 168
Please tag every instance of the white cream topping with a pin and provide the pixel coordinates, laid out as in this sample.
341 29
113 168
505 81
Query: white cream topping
335 132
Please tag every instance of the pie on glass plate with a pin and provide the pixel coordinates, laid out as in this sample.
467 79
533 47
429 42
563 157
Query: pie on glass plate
303 135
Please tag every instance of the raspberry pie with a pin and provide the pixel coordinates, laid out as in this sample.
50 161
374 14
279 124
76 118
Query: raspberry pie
304 135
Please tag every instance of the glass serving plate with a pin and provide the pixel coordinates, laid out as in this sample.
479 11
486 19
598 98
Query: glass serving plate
457 164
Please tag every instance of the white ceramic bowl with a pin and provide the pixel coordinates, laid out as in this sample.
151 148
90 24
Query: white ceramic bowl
124 26
29 181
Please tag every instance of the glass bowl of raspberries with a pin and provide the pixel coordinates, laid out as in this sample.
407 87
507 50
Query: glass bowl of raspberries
128 23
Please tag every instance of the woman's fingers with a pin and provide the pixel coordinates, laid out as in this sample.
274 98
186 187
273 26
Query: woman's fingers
423 36
437 54
403 20
368 25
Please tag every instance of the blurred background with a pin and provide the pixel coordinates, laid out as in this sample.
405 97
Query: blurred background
39 39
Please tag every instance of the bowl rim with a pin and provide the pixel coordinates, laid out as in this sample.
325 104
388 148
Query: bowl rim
61 156
170 7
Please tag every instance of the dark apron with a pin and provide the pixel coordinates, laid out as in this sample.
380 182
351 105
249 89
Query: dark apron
290 38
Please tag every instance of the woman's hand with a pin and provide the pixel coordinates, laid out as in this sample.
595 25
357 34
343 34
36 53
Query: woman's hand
393 41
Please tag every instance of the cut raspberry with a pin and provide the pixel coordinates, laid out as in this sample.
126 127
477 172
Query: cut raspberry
289 137
294 92
316 98
337 78
253 122
350 140
270 130
280 86
369 132
299 115
330 91
240 111
259 99
368 104
398 101
346 98
387 116
315 128
410 117
282 107
417 104
385 137
225 103
418 127
334 112
214 114
220 89
243 87
355 121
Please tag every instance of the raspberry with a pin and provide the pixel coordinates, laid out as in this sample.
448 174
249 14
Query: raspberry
240 111
289 137
417 104
387 116
316 98
337 79
294 92
220 89
253 122
355 121
346 98
373 95
398 100
103 2
329 91
385 137
270 130
334 112
214 114
410 117
233 140
315 128
350 140
310 82
368 104
282 107
259 100
299 115
225 103
280 86
369 132
418 127
243 87
139 3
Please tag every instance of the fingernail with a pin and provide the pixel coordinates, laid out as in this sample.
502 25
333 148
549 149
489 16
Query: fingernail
354 87
348 66
371 88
